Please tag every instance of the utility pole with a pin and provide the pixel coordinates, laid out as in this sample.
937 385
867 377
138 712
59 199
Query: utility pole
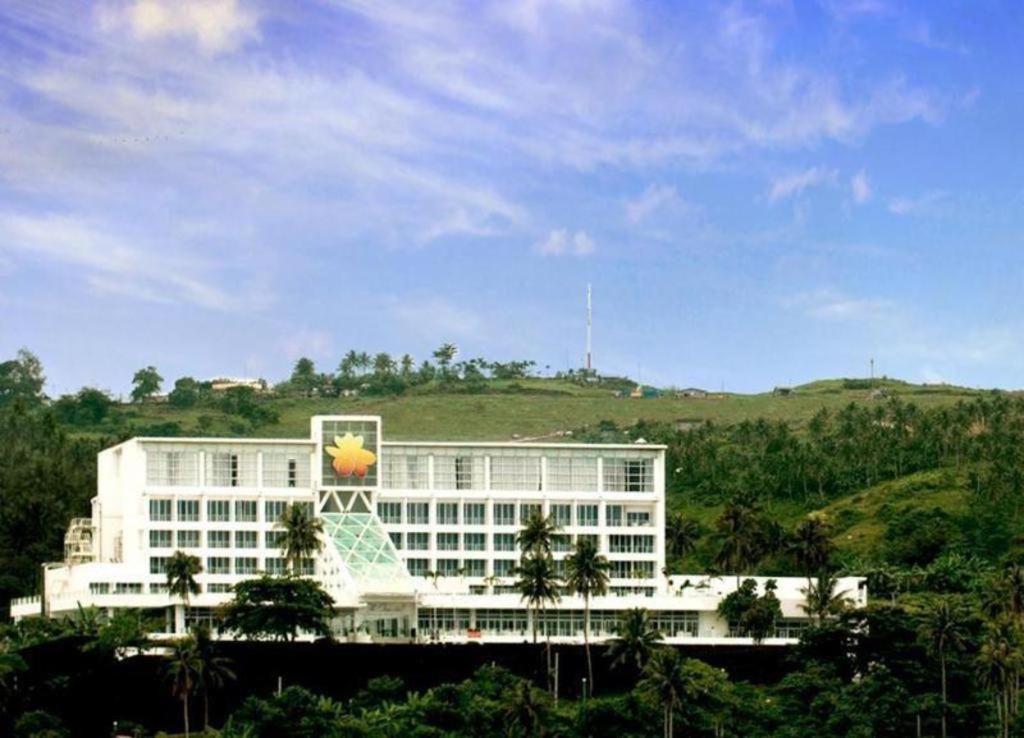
872 371
589 321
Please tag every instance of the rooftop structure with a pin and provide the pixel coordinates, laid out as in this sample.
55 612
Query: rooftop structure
420 537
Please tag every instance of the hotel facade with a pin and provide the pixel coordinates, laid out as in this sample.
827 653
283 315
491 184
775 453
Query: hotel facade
419 537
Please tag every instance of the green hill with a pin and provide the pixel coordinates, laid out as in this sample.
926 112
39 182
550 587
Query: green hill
525 408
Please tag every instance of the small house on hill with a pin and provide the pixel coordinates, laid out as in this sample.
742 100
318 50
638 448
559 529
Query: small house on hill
691 392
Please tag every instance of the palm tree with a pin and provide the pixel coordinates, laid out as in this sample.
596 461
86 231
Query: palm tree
1000 660
538 585
586 574
821 598
214 670
536 535
664 679
742 543
183 673
944 629
636 640
301 537
434 576
681 534
182 570
526 710
444 356
811 546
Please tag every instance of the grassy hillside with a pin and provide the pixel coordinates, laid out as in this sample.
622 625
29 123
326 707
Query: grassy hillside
531 408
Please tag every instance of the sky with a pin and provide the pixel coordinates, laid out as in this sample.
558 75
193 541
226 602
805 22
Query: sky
760 193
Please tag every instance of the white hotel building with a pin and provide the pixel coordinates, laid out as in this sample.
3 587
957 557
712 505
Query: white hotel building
421 547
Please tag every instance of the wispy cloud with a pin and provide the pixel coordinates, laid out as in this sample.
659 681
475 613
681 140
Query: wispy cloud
860 187
561 242
654 198
827 304
215 26
929 204
793 185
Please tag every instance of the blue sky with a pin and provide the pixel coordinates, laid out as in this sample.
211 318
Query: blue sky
760 193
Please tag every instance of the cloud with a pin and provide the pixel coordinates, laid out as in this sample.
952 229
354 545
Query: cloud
114 264
860 187
827 304
933 203
653 199
792 185
436 319
215 26
561 242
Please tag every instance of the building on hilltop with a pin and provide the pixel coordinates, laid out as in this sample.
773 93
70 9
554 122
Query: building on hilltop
420 538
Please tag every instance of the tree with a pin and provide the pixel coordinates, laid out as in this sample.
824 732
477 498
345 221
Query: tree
407 367
944 629
536 535
635 640
537 584
22 378
999 662
753 616
821 598
279 608
383 365
811 546
347 367
214 669
664 680
742 540
526 710
302 535
182 570
586 574
304 377
145 383
444 356
681 534
185 392
182 672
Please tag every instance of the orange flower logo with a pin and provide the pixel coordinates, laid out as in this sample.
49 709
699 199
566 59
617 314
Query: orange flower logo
349 457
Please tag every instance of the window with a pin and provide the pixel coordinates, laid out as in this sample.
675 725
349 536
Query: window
274 509
631 570
218 565
188 511
389 512
613 516
276 566
448 567
158 588
461 471
246 539
171 467
504 513
475 567
231 468
561 514
418 567
572 473
99 588
218 511
475 542
638 519
272 538
417 513
504 567
528 510
630 544
157 564
447 541
592 538
218 587
473 513
504 541
396 539
418 541
561 543
404 470
628 475
160 539
513 472
586 515
245 511
188 539
160 510
285 469
447 513
218 539
128 588
245 565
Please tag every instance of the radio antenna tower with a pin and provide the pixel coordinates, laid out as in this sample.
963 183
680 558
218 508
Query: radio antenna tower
589 315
